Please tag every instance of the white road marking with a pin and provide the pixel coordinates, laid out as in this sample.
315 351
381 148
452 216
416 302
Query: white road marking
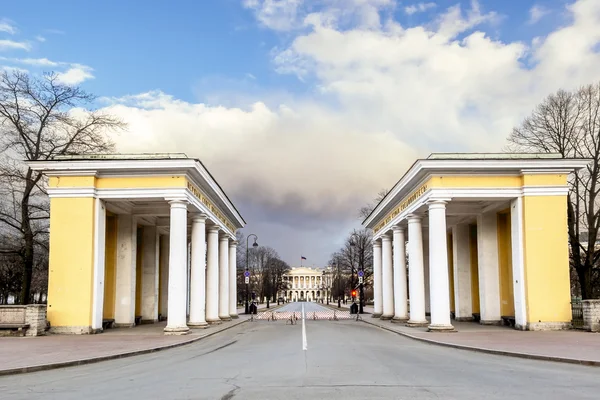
304 343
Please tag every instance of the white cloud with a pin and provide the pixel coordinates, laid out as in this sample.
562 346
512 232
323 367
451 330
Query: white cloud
6 44
537 12
76 74
12 69
67 73
289 15
41 62
382 96
7 26
279 15
420 7
40 38
453 22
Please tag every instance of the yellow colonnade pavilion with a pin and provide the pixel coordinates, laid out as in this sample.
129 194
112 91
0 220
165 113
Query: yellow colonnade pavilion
486 238
138 237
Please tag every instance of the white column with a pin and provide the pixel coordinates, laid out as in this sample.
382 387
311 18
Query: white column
416 279
233 279
426 274
198 273
400 289
149 274
377 272
489 279
461 254
99 252
164 276
516 235
126 264
387 280
438 268
224 278
176 319
212 275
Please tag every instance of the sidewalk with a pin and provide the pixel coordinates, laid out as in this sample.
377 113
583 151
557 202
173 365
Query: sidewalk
572 346
29 354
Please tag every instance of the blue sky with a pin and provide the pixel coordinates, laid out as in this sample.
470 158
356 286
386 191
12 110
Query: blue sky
304 110
189 48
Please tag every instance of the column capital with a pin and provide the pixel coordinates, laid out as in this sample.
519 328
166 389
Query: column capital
386 237
437 204
233 243
200 217
397 228
414 218
376 243
213 228
224 238
177 203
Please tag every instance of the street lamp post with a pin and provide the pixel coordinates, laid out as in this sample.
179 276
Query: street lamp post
339 278
247 291
362 292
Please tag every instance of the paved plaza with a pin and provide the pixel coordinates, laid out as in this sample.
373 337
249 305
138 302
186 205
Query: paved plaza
345 360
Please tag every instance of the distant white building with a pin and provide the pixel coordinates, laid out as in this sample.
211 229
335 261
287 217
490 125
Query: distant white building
304 284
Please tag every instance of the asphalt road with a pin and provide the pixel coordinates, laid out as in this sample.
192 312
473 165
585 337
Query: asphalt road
343 360
308 307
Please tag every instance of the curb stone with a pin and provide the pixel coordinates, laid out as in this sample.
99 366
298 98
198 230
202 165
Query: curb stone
92 360
529 356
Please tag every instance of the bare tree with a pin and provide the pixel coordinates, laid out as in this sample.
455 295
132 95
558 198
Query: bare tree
259 264
356 254
568 123
40 118
273 278
365 211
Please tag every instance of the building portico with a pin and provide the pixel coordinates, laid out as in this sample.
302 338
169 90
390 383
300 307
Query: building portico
123 231
487 236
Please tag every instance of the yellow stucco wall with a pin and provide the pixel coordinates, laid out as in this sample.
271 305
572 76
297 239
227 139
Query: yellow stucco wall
474 181
546 256
71 262
72 181
544 180
118 182
110 267
507 298
142 182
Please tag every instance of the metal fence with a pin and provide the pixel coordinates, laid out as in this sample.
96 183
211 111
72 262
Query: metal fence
577 311
329 315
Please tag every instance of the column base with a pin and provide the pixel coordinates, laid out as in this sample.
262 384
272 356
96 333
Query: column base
197 325
463 319
124 325
399 320
376 315
177 330
416 324
234 316
386 317
225 318
214 321
490 322
440 328
149 321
